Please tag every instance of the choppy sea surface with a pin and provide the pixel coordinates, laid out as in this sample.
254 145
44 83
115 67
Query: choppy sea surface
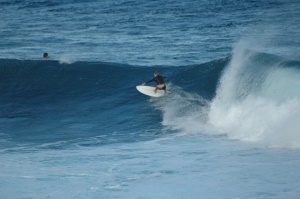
74 126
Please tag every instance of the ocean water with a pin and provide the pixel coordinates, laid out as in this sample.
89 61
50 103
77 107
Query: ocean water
74 126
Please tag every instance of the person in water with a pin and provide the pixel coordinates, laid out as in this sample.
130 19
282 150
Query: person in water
159 81
45 56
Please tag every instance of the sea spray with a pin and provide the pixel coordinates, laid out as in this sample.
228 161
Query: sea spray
254 102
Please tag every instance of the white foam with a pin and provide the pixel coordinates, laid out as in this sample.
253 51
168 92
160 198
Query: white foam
66 59
255 102
183 111
266 113
282 83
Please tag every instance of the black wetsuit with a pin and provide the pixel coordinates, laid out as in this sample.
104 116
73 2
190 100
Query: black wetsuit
159 80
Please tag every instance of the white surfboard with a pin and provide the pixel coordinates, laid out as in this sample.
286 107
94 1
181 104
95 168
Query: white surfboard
149 90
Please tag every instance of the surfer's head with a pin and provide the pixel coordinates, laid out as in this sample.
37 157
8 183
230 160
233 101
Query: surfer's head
156 73
45 56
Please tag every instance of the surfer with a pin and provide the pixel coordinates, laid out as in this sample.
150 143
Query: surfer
45 56
159 81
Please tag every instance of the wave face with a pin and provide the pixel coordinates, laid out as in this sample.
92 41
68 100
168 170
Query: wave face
249 96
49 101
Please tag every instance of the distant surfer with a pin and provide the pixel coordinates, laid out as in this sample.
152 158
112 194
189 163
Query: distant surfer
45 56
159 81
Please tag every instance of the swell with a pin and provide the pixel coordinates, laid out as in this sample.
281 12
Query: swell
45 79
33 83
47 101
51 81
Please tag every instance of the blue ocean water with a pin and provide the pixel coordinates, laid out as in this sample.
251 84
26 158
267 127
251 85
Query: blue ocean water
74 126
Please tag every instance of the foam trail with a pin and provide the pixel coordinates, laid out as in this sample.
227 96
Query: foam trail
183 111
258 100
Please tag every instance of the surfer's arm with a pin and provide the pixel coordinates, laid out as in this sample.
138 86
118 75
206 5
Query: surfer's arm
152 80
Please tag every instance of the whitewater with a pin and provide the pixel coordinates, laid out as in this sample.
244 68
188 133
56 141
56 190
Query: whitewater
74 126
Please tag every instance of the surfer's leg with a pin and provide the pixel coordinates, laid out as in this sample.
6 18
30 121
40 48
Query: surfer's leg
165 89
